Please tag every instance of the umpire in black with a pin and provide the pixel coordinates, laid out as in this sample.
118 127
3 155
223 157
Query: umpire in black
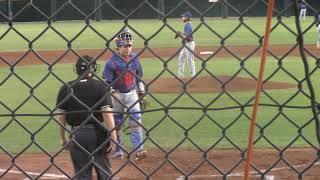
85 104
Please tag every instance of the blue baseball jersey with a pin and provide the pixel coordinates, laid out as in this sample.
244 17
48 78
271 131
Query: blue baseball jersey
188 31
123 73
303 6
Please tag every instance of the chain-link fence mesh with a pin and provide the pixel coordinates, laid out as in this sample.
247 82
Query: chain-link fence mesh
194 127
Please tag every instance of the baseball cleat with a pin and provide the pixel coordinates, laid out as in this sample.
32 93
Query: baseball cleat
141 155
118 155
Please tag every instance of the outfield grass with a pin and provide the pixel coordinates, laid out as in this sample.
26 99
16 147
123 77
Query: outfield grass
147 28
206 128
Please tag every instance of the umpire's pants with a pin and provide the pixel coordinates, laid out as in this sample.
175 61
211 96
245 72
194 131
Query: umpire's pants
86 140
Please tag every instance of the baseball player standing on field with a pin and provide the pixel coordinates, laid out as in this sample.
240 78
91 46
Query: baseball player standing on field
317 21
186 53
303 10
124 73
85 104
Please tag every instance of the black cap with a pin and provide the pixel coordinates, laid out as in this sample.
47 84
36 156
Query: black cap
85 64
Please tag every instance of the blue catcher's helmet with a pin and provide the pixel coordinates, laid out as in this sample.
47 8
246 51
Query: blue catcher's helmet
187 15
124 38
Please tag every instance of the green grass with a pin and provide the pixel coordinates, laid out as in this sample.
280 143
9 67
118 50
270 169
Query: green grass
204 129
88 38
21 97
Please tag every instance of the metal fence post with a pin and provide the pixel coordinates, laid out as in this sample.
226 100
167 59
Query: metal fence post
10 9
98 14
286 4
224 9
53 9
160 8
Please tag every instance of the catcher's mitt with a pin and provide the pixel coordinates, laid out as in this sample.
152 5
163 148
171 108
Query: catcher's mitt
178 34
143 104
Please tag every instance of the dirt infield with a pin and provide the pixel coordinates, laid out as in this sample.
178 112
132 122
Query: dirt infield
207 84
64 56
225 161
172 85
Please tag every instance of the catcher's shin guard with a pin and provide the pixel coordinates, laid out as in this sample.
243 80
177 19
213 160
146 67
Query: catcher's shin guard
136 134
118 121
136 137
119 141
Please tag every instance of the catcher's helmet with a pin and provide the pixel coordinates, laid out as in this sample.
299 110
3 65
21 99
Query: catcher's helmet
85 64
187 15
123 38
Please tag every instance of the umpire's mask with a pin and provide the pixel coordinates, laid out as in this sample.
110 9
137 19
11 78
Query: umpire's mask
86 65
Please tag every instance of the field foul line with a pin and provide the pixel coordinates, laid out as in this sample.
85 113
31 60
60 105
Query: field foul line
287 168
34 174
268 177
44 176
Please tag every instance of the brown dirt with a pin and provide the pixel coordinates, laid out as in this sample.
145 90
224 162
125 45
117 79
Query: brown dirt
208 84
64 56
200 84
185 160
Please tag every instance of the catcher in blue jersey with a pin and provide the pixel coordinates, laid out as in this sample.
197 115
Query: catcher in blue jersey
124 73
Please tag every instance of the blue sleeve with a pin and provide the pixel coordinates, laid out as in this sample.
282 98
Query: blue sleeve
187 29
136 60
108 72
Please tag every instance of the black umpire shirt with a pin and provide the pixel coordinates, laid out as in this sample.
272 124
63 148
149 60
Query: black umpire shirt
75 97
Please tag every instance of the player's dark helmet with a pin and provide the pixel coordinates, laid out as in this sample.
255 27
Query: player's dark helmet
124 37
85 64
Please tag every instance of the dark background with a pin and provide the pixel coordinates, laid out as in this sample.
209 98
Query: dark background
42 10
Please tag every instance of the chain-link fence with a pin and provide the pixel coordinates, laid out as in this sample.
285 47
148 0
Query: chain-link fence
195 126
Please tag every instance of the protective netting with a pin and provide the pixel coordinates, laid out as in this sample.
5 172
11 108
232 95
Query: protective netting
194 127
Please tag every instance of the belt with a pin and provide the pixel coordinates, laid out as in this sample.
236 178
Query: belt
89 123
126 91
